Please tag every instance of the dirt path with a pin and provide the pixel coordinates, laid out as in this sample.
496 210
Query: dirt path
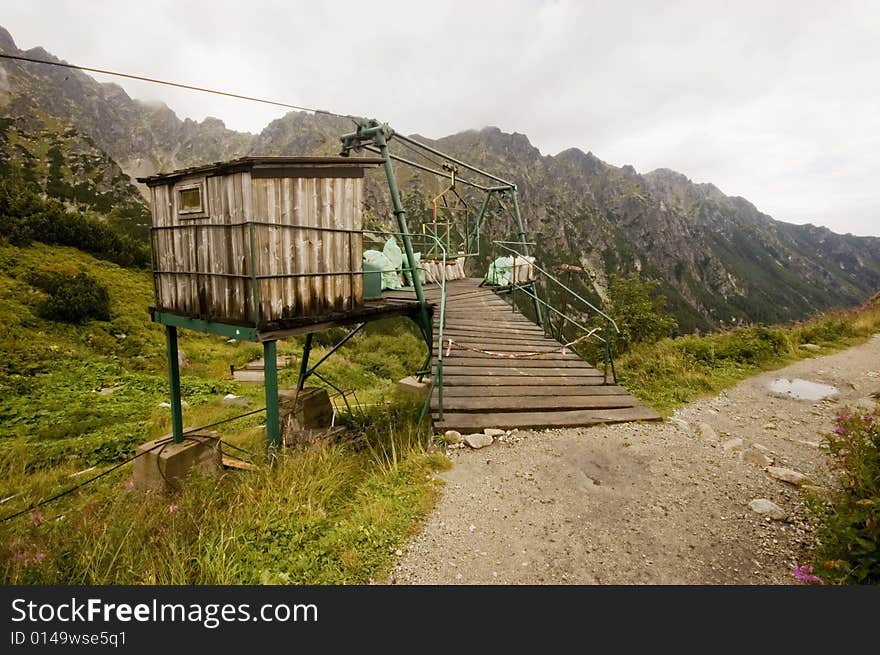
653 503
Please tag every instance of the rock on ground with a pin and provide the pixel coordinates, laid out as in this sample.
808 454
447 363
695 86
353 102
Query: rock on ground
452 436
706 431
787 475
477 440
768 508
755 456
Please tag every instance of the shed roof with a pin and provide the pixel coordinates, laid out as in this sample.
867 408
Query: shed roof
274 167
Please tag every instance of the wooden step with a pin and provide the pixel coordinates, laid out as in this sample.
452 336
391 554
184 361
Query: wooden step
514 403
557 361
531 391
466 421
518 380
522 372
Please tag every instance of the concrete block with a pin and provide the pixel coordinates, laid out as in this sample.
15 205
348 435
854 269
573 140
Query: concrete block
165 466
305 416
412 388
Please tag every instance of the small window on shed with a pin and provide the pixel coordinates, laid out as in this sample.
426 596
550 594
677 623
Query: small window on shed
191 200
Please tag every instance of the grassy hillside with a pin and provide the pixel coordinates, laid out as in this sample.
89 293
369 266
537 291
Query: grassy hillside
75 396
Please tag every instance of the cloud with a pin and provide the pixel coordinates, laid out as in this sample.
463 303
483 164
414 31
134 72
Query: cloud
776 102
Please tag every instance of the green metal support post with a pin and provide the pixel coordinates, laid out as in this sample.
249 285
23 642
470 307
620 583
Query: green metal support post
270 370
304 363
400 214
525 248
174 383
474 238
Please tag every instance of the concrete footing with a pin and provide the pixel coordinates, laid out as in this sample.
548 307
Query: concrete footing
163 465
306 415
410 387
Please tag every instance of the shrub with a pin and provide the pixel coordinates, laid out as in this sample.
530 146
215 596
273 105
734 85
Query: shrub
850 528
71 299
27 217
639 310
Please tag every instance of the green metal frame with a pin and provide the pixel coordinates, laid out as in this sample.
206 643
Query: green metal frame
270 383
371 132
304 370
227 330
174 383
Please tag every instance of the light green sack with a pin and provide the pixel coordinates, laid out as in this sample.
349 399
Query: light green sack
500 272
390 278
417 256
393 252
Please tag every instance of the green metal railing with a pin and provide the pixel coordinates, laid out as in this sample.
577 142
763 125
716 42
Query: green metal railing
437 377
530 289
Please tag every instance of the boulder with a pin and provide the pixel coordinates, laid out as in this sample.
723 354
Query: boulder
684 425
733 444
477 440
494 432
756 457
768 508
787 475
706 431
413 388
452 436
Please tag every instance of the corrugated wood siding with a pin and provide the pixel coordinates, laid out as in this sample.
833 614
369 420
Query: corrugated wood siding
220 244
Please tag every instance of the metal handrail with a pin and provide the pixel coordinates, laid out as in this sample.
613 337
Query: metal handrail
531 291
535 297
567 289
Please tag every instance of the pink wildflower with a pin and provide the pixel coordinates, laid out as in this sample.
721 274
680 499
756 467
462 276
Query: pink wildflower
128 485
36 517
805 574
173 508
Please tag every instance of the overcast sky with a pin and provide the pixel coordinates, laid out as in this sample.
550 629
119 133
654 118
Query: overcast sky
777 102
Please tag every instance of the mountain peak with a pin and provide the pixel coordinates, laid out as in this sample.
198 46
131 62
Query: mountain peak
7 43
213 123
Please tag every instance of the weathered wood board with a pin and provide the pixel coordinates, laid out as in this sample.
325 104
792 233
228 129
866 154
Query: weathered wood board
269 239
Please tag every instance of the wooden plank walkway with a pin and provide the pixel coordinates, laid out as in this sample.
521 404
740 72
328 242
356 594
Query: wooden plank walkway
481 390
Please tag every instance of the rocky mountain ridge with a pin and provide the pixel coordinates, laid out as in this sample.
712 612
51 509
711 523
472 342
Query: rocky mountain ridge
719 259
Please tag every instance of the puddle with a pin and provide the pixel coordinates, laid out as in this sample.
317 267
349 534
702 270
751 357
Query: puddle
801 389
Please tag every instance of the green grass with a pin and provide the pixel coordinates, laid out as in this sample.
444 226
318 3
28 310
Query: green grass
330 515
673 372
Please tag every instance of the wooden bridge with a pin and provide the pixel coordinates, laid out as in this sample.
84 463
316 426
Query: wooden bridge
486 385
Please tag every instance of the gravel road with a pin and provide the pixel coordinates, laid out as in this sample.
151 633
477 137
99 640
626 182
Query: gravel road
651 503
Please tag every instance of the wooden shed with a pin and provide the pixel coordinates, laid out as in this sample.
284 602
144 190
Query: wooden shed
259 241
